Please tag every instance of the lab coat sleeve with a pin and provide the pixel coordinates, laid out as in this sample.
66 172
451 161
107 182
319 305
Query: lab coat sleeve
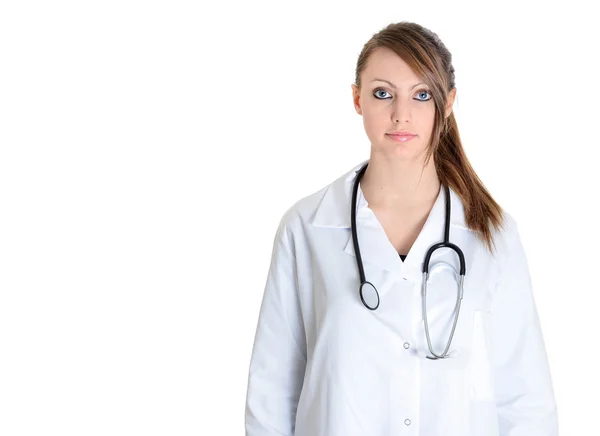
524 394
278 359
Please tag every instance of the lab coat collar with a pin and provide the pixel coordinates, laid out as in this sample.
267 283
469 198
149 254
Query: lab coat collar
375 247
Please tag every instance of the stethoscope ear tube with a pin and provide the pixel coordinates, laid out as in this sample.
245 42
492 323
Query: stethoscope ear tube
458 304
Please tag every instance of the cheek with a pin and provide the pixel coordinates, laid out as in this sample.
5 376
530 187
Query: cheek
369 120
424 113
375 118
423 120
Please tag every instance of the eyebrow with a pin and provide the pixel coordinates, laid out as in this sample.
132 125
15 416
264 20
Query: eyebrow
394 86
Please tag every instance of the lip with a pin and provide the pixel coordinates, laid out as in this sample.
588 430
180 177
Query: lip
401 133
401 137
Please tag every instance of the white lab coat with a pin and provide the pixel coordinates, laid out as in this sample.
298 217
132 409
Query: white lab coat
324 365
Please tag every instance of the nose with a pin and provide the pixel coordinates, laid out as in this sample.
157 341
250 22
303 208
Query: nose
401 110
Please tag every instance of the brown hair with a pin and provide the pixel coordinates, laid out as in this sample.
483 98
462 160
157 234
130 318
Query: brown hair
429 58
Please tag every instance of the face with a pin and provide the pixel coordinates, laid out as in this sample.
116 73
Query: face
403 104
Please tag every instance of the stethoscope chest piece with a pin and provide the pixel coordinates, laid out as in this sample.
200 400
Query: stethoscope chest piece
369 295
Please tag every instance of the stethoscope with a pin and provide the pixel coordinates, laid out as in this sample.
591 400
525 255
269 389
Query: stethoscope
368 292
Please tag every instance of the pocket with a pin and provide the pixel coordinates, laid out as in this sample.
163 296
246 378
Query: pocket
480 371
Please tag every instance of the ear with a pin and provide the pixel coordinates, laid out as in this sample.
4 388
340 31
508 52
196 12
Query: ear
451 97
356 99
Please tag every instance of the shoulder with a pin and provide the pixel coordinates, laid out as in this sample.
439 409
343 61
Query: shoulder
328 200
298 214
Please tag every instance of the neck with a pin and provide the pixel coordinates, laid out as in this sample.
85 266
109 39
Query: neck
399 183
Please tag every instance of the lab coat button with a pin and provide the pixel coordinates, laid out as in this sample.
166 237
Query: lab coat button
407 421
406 345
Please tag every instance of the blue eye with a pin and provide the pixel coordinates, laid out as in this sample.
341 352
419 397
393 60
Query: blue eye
379 90
424 91
421 91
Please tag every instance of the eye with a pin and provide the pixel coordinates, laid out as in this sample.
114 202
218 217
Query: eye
424 91
379 90
421 91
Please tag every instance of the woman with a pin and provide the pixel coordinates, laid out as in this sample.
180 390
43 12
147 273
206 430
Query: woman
329 360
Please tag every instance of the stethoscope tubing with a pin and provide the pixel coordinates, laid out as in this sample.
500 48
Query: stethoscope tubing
368 292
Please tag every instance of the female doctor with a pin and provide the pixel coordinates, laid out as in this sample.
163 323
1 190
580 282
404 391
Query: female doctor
398 299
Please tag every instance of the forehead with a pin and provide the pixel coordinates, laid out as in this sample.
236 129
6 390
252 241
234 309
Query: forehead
384 63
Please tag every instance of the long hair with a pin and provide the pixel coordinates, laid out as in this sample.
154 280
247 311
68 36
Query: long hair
429 58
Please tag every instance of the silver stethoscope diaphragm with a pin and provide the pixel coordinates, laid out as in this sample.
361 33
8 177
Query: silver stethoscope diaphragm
369 295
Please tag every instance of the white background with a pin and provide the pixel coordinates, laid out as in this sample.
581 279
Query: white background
149 150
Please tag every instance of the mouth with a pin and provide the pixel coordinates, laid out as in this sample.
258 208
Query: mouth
401 137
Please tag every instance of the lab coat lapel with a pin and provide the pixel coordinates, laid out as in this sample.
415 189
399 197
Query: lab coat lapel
374 245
